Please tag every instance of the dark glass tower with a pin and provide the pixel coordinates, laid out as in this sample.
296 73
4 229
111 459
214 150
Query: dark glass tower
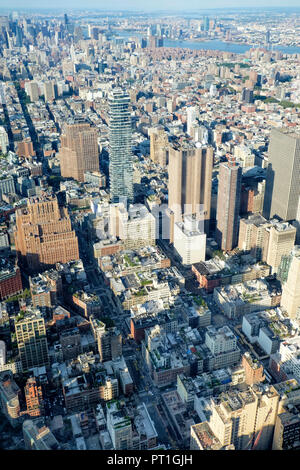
120 154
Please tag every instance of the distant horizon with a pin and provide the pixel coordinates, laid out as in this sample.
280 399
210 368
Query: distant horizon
156 5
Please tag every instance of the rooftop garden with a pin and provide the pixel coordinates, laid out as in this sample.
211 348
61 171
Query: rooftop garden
111 402
271 99
20 316
140 293
232 64
199 301
24 295
219 254
129 261
73 209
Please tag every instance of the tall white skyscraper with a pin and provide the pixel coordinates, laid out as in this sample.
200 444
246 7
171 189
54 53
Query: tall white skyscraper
191 113
290 299
4 143
120 154
73 53
2 94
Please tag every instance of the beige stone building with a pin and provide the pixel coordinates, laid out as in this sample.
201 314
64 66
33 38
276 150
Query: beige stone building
252 234
245 418
44 234
136 227
290 299
159 144
279 239
190 179
79 150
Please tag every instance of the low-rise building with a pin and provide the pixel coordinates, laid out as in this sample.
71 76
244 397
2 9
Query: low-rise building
38 436
267 328
202 438
144 435
119 426
87 304
240 299
10 280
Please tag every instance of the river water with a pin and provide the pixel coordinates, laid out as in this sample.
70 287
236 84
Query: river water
215 45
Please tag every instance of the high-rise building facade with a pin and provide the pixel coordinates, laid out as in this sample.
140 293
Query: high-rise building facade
10 280
7 185
269 241
189 241
119 426
32 340
287 431
2 353
283 175
109 340
247 96
245 418
137 226
38 436
44 234
34 398
120 141
252 235
70 343
4 142
79 150
191 116
290 299
32 89
190 179
9 397
279 239
109 388
254 371
228 204
159 143
49 91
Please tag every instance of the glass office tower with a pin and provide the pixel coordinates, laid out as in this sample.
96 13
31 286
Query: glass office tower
120 154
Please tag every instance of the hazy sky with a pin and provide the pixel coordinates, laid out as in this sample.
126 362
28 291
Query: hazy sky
146 4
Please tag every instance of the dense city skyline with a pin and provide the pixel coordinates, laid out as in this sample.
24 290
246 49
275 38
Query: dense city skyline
149 229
